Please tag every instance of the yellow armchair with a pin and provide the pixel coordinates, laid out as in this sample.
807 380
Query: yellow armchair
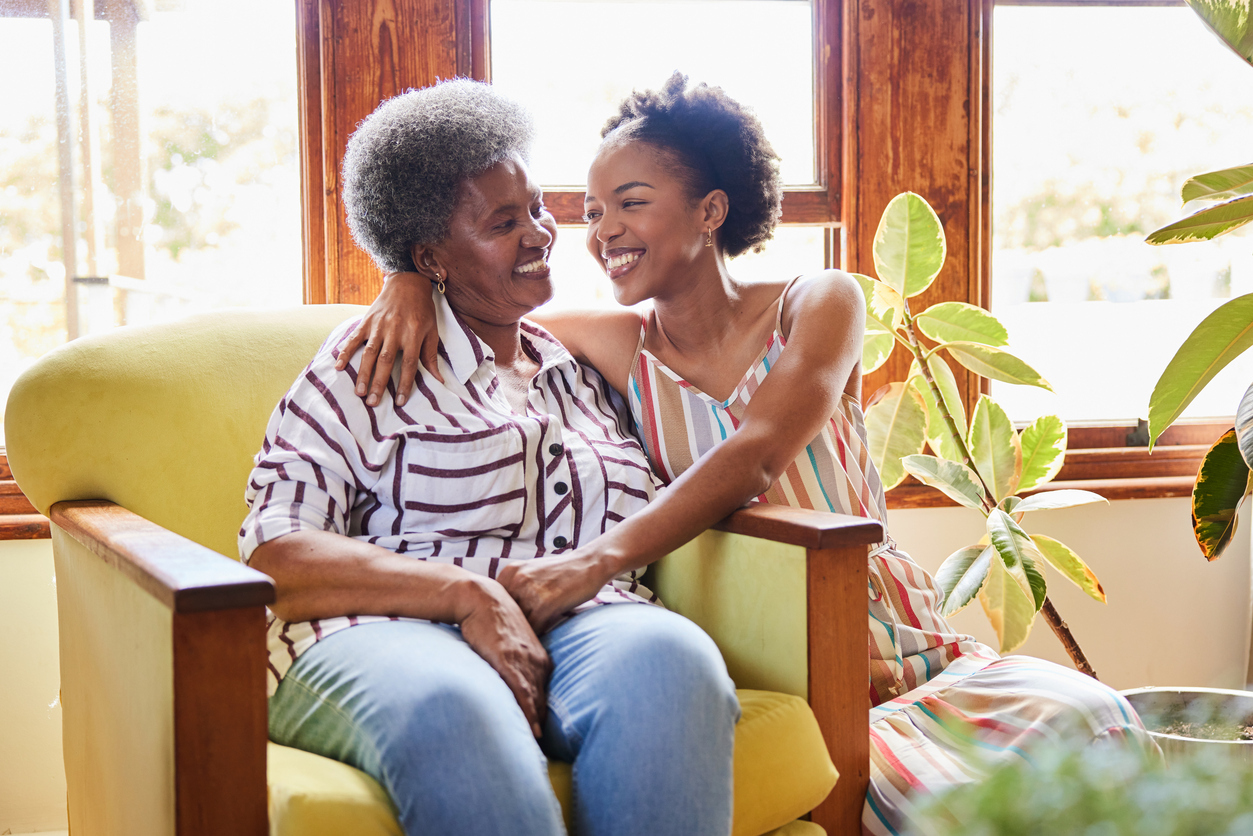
137 444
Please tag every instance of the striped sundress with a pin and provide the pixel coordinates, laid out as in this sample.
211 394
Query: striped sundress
944 708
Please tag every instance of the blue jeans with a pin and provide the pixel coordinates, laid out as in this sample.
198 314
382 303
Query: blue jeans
639 701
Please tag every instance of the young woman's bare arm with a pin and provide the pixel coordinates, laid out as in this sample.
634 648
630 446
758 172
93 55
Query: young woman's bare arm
401 323
824 321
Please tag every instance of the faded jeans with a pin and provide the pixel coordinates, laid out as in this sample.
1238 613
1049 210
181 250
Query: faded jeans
639 701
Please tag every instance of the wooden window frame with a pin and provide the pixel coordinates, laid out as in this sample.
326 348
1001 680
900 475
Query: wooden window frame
892 113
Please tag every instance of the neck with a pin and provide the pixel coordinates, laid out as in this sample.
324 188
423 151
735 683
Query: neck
700 312
505 341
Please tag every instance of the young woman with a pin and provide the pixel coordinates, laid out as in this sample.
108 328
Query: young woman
751 390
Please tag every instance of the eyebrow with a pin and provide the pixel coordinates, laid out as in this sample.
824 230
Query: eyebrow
624 187
512 208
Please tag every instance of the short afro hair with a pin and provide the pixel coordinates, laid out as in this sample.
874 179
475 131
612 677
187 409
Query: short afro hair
719 144
407 160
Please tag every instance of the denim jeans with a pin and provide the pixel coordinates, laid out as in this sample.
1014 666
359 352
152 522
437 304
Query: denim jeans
639 701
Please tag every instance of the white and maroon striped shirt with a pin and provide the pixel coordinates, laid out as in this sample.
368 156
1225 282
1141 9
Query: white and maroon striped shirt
455 475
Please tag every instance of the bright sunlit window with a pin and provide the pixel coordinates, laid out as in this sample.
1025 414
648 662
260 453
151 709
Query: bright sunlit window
759 51
179 170
1099 116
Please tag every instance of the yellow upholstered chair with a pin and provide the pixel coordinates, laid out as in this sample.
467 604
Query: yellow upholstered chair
137 444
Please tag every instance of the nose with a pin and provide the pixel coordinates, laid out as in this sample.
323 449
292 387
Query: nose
537 236
608 228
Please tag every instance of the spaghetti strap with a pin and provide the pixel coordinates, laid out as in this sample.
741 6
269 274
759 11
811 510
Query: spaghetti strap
639 347
778 317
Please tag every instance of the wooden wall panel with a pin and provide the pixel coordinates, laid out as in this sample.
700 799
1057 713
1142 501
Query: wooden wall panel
369 50
915 71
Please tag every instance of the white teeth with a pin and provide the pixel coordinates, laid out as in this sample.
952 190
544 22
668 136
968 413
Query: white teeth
619 260
532 266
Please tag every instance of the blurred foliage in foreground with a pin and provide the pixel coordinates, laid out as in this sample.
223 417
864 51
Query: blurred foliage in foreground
1099 791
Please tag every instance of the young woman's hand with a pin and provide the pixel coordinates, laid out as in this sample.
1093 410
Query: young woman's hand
401 321
550 587
499 632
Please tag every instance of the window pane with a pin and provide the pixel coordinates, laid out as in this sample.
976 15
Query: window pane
759 51
1091 144
187 196
580 283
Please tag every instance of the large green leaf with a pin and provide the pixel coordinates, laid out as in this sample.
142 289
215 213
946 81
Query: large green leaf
1220 338
1244 426
995 363
1231 21
1219 185
1206 224
1048 500
1061 558
961 576
995 447
947 321
1008 607
1018 554
909 246
896 427
939 436
876 346
1221 486
954 480
883 304
1043 451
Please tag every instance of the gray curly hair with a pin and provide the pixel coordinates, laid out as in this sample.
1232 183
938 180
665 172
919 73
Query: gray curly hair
406 162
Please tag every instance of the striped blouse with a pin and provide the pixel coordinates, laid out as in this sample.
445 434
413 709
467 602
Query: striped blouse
909 641
455 475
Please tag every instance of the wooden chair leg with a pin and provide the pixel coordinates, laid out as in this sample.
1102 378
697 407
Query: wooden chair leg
839 668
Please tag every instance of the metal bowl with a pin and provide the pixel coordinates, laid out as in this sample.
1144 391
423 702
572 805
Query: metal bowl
1160 707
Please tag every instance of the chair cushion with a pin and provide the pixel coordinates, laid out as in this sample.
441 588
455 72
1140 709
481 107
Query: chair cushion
781 772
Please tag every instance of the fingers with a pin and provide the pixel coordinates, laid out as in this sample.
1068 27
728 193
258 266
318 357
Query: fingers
429 354
382 374
355 339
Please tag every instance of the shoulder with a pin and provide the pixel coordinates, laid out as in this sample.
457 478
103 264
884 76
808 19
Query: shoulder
830 296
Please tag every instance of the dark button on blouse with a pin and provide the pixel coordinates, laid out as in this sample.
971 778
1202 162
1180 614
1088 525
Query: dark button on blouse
560 542
561 488
555 449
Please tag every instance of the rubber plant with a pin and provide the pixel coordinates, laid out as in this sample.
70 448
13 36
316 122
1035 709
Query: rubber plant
982 463
1225 199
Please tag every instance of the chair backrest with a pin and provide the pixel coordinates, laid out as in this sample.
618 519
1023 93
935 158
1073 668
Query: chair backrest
162 419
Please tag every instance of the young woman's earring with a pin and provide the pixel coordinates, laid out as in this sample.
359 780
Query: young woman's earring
709 237
439 282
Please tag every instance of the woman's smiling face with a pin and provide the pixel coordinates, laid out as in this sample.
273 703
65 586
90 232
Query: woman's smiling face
642 225
495 255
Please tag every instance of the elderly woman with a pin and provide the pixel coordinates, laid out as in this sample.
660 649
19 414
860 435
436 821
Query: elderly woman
393 533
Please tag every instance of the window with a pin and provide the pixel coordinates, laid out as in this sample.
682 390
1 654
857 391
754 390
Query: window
760 51
149 167
1091 146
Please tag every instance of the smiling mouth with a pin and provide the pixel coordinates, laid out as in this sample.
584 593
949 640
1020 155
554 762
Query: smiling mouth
620 264
535 266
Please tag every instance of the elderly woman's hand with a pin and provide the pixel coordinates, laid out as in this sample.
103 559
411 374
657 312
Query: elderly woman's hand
549 587
498 631
401 321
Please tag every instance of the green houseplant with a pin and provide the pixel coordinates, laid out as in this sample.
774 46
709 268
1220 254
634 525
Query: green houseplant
983 463
1226 201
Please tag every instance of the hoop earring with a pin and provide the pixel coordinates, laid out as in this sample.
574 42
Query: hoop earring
439 283
709 237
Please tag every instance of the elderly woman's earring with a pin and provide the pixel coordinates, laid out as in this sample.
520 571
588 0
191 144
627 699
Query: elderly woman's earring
709 237
439 282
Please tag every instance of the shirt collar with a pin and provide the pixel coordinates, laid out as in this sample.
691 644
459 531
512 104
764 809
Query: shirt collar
465 353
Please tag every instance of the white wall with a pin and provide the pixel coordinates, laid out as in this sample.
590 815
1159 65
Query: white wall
32 779
1172 618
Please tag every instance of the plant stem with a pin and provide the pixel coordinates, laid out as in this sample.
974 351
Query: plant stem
989 500
1059 627
1067 639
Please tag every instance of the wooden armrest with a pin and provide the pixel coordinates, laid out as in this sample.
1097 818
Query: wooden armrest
183 575
163 660
802 527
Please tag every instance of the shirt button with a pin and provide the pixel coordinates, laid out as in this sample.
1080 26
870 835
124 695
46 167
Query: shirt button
561 488
555 449
560 542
